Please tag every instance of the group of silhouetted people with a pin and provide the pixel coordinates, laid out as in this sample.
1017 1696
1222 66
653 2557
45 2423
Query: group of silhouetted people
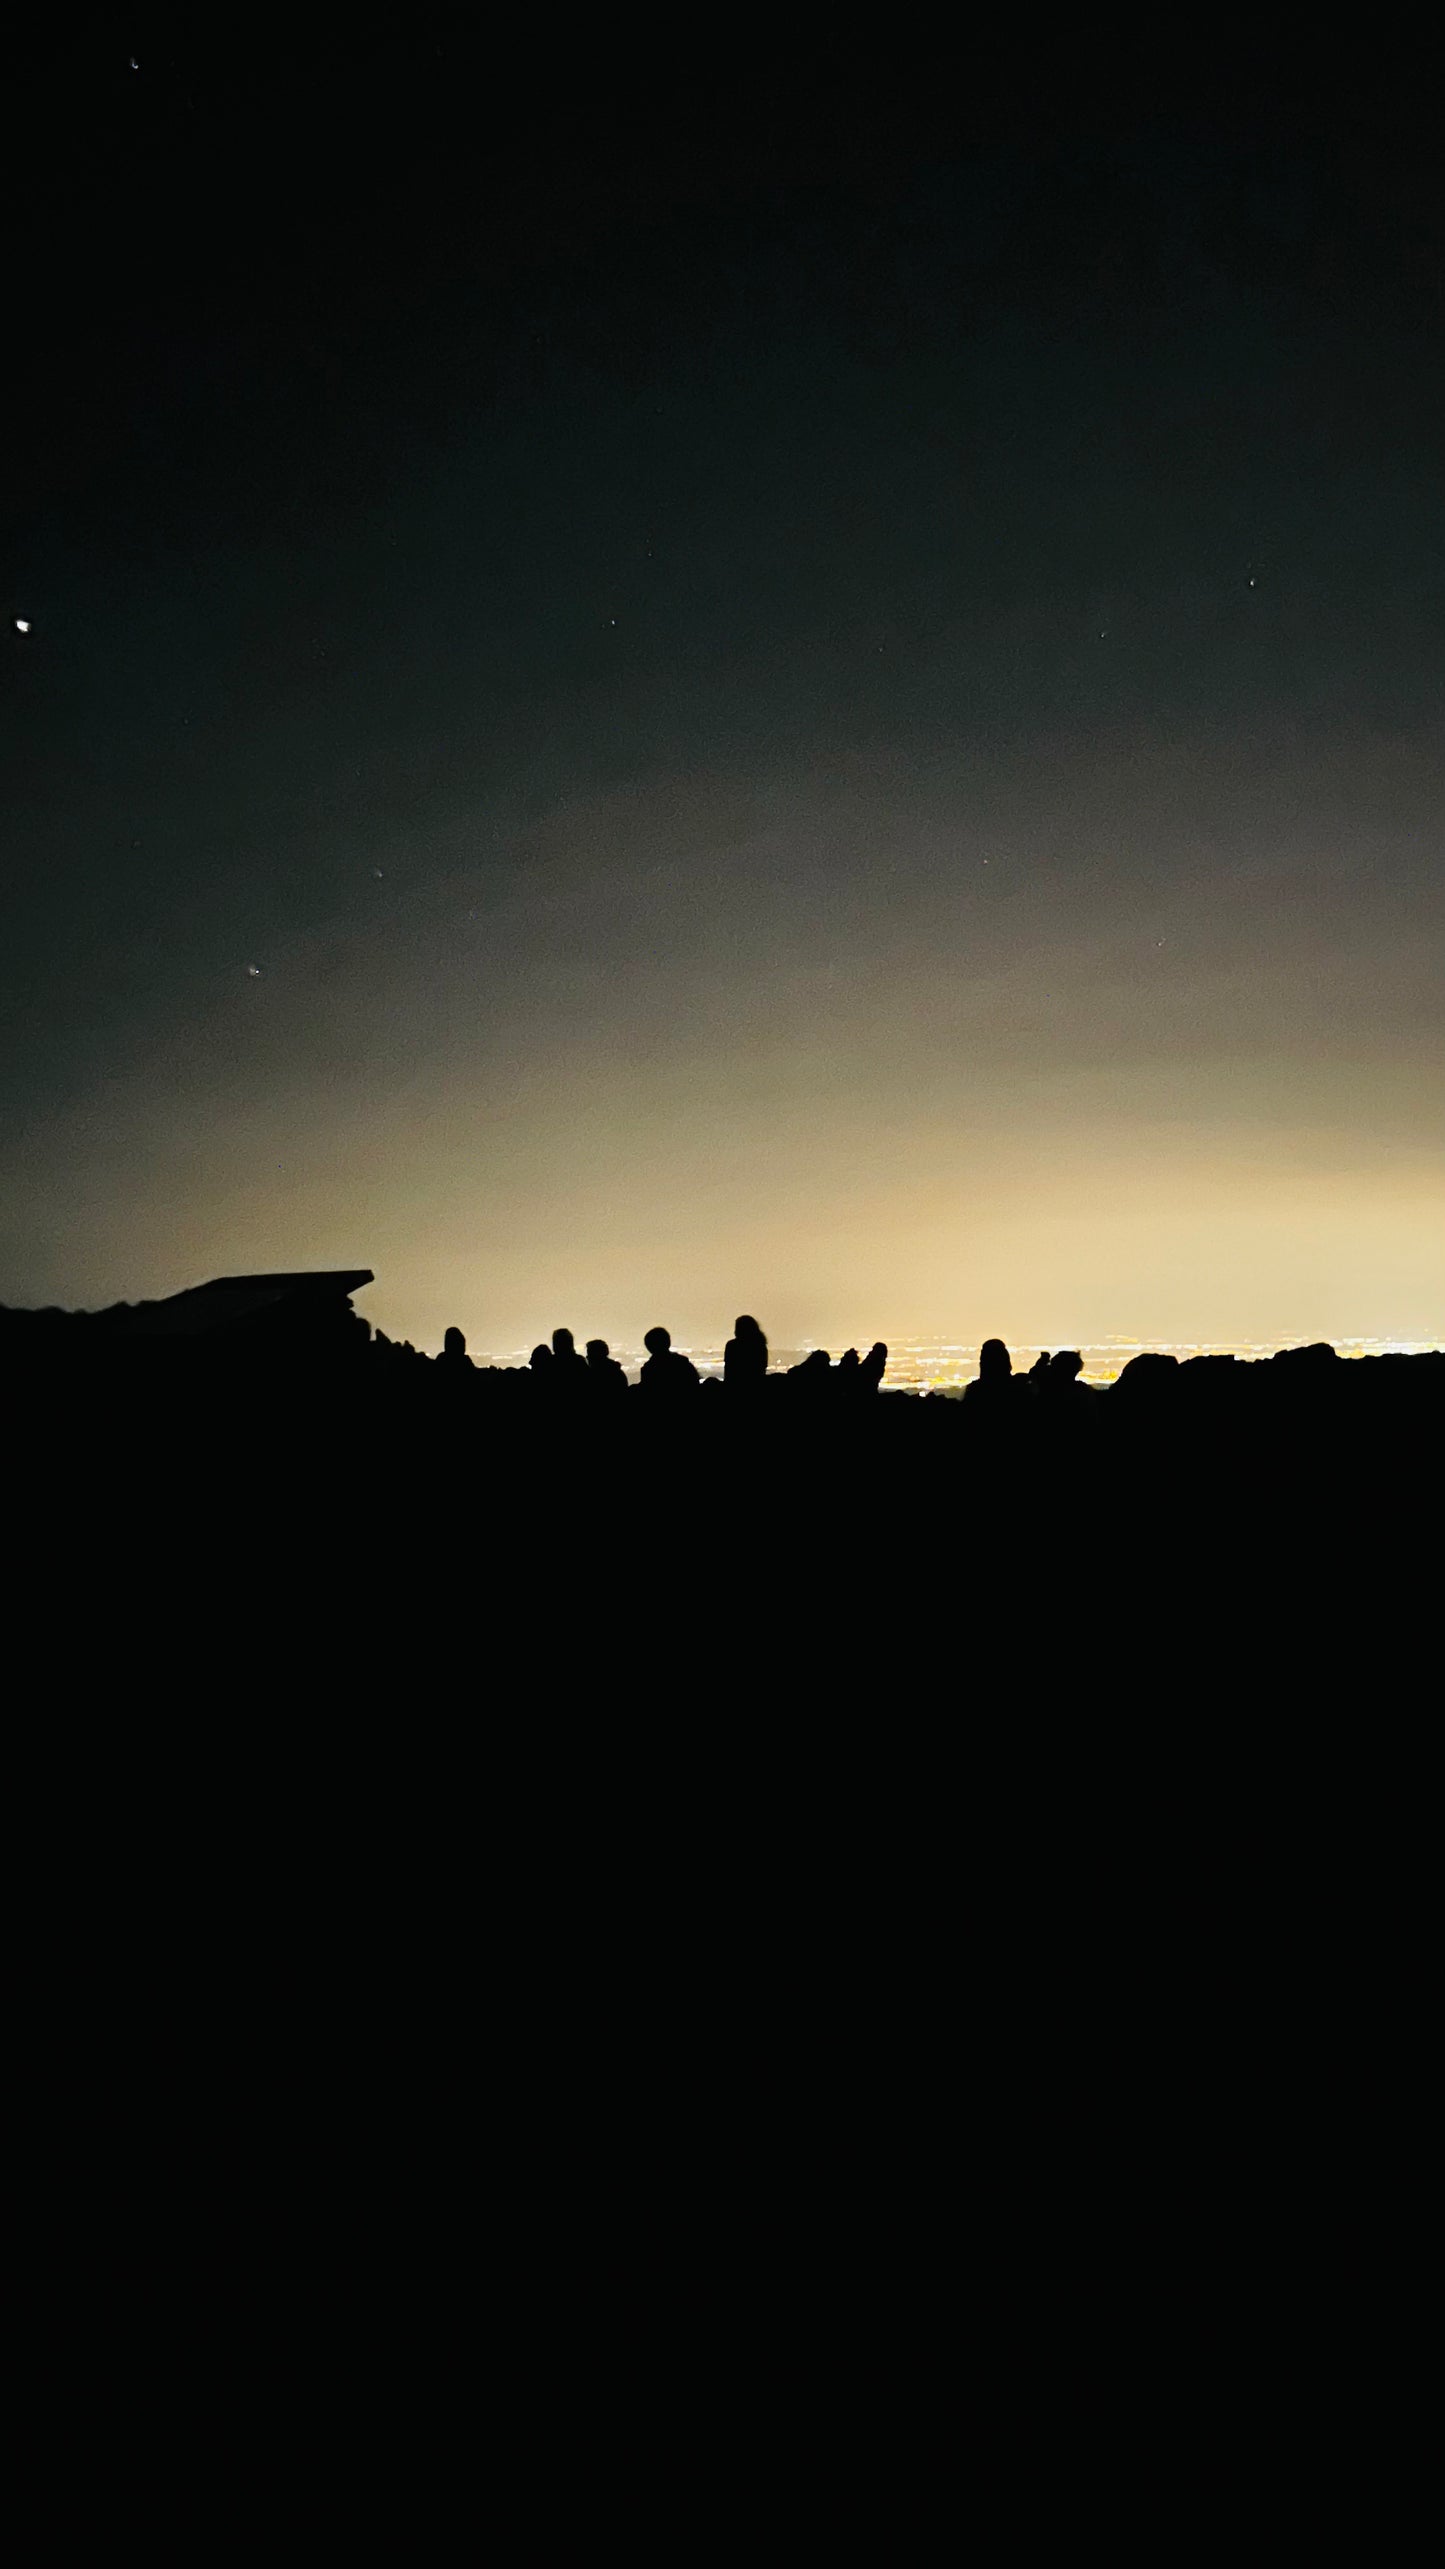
999 1391
559 1370
556 1369
1157 1392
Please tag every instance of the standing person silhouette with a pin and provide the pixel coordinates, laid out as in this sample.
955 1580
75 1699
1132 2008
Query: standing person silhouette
745 1357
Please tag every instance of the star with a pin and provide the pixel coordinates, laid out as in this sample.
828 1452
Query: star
254 971
22 624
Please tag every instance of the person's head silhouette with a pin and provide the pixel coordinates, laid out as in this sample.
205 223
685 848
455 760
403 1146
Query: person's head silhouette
563 1343
598 1351
1066 1366
454 1345
995 1364
658 1341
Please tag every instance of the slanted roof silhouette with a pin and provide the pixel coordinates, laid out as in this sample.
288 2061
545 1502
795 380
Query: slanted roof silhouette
302 1280
230 1302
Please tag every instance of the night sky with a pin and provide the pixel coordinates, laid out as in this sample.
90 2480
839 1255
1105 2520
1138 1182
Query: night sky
667 684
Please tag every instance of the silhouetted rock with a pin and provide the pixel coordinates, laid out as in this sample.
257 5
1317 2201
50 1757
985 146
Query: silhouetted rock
1147 1376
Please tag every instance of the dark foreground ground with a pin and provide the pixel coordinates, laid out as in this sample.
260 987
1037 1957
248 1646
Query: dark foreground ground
418 1546
540 1932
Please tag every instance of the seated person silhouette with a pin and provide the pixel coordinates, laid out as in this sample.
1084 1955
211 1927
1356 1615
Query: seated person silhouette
542 1366
1039 1369
1063 1392
454 1352
997 1387
569 1369
604 1374
666 1375
849 1375
873 1367
814 1375
745 1357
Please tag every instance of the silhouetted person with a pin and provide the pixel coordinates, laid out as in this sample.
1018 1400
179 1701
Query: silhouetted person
454 1352
997 1390
604 1374
1064 1396
666 1374
850 1372
745 1357
569 1370
1039 1370
873 1367
815 1373
543 1367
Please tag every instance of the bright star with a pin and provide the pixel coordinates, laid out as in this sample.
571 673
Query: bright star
22 624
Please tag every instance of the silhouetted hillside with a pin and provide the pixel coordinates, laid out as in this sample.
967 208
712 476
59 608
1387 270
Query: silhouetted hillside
261 1401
